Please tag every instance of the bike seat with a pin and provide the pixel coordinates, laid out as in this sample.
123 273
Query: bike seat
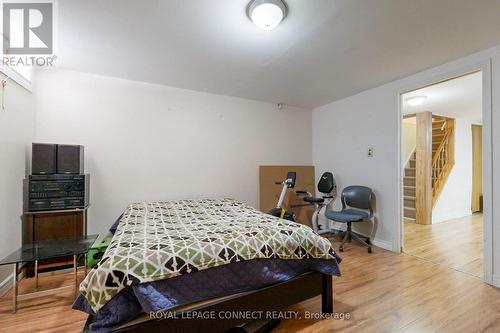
314 200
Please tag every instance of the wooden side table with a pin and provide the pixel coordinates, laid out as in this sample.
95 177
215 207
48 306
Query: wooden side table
55 224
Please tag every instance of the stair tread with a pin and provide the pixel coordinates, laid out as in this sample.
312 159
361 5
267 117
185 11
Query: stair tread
409 197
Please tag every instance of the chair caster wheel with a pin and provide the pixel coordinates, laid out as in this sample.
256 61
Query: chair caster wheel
341 248
370 249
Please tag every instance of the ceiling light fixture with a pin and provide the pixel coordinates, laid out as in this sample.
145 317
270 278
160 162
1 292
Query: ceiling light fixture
267 14
416 100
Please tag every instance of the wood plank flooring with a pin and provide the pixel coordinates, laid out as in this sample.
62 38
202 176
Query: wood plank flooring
457 243
48 314
381 292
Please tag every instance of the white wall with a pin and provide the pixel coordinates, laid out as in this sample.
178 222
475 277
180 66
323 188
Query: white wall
409 142
342 133
343 130
456 196
150 142
16 133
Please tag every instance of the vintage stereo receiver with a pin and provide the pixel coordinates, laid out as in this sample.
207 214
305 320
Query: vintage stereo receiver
56 192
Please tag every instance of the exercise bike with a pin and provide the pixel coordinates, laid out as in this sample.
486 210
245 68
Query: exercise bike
328 188
279 211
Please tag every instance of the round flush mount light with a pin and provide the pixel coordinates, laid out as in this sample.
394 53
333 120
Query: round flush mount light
416 100
267 14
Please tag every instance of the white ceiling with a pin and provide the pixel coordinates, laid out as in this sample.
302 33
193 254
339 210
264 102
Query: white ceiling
323 51
457 98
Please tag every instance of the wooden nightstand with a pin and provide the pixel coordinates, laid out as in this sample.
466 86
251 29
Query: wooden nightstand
56 224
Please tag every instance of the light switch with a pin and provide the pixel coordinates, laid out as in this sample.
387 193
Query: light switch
370 152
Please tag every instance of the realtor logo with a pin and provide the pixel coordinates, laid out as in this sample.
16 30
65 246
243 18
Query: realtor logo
27 28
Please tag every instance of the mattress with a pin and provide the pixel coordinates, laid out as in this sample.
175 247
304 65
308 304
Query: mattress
165 254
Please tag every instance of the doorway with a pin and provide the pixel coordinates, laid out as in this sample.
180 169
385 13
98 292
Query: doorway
442 180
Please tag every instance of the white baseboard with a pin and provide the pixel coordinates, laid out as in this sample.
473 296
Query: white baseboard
6 284
496 281
439 218
382 244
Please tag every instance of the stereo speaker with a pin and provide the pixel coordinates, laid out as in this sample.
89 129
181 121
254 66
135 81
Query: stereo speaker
43 158
70 159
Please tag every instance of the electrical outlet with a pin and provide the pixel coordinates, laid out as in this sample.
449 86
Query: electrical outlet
370 152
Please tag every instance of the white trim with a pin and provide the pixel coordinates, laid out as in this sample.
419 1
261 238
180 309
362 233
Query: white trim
398 239
443 75
386 245
440 218
383 244
487 171
6 284
16 77
496 281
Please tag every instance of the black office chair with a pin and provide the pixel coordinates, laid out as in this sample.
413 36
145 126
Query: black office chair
356 201
328 189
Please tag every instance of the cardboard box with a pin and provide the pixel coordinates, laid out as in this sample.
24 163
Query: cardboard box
269 192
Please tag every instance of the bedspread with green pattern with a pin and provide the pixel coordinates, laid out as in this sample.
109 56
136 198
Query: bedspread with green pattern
161 240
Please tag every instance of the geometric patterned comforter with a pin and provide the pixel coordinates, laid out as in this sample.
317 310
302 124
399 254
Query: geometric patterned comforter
161 240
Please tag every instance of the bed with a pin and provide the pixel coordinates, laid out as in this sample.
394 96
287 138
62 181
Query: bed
170 259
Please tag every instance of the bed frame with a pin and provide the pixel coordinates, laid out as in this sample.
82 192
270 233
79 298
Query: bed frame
273 298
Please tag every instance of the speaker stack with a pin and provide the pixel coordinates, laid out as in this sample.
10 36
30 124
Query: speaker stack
57 180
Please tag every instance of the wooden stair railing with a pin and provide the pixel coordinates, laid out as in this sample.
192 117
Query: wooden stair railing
443 159
418 204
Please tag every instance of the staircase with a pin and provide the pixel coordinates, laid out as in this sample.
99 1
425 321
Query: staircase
442 163
409 188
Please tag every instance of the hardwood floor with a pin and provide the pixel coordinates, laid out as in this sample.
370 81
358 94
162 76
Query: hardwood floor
52 313
457 243
381 292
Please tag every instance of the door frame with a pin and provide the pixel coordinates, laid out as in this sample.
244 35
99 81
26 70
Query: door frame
485 68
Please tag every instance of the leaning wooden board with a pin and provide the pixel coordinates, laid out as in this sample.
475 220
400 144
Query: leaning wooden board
269 192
